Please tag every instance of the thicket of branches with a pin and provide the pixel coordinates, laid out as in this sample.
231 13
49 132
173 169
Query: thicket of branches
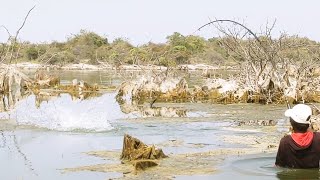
287 66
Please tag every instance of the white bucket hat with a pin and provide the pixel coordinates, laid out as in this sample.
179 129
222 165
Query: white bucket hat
299 113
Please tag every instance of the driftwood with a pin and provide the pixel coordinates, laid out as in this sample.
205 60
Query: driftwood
139 154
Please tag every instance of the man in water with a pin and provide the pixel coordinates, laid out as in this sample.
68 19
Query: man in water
301 149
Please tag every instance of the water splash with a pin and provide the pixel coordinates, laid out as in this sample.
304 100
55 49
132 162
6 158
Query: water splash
64 114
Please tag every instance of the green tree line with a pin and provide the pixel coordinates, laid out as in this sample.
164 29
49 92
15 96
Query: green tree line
89 47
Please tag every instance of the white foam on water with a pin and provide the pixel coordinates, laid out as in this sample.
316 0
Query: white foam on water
65 114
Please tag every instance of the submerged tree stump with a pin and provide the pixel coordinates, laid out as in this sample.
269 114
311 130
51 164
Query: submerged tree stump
139 154
134 149
144 164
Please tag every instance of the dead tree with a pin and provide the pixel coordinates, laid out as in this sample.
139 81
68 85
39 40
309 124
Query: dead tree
9 47
12 81
271 67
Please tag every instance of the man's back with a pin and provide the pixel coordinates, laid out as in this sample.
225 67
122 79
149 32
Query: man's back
299 150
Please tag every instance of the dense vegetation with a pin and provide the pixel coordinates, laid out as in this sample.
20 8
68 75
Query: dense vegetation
89 47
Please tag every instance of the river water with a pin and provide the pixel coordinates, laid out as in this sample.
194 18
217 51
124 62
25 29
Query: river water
39 139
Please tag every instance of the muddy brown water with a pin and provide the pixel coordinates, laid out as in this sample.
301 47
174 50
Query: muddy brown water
41 142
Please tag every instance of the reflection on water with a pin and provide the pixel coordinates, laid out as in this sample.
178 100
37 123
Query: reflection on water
47 152
8 100
64 112
132 107
262 167
298 174
10 143
259 167
97 112
30 152
116 77
40 155
3 140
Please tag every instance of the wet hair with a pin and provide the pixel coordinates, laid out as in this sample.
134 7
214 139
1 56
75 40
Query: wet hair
299 127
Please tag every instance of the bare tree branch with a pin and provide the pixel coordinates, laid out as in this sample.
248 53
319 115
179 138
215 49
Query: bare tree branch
227 20
17 33
4 27
24 21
